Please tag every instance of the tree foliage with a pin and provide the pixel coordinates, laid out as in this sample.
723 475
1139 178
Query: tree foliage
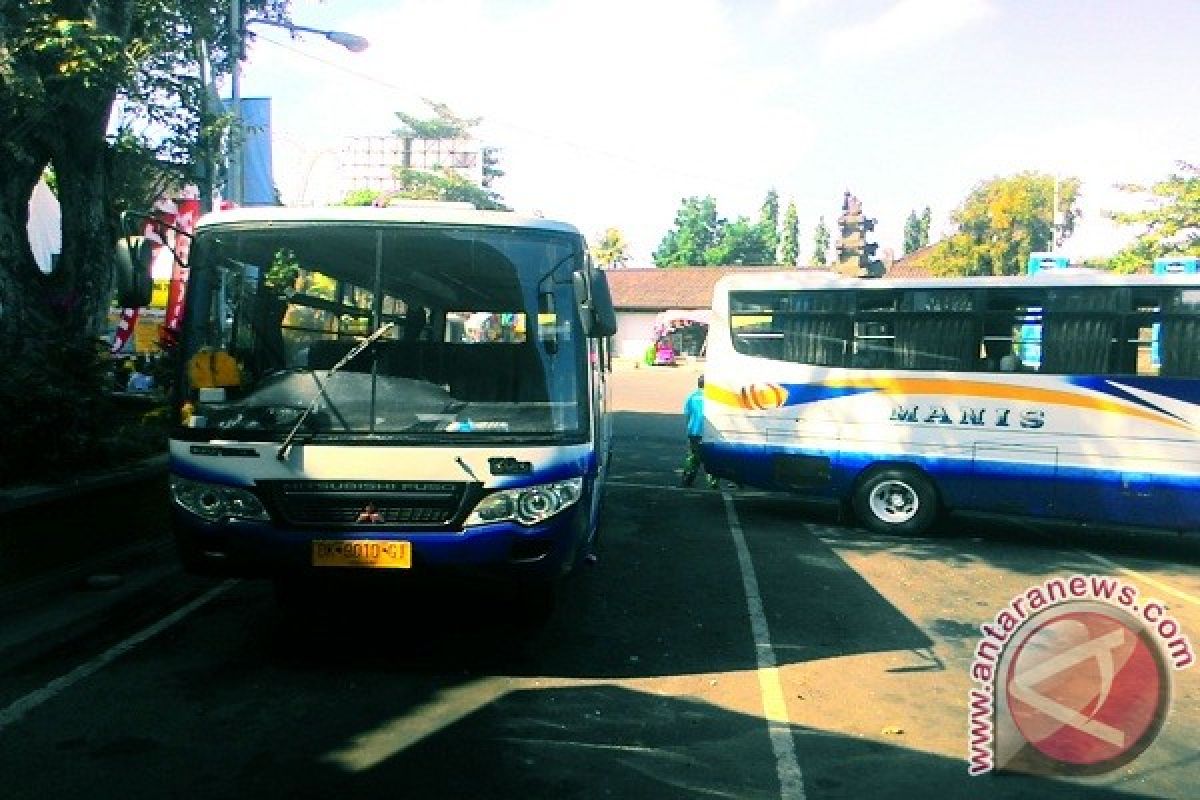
444 124
789 237
742 243
701 237
916 230
820 256
63 65
696 230
444 183
768 222
1001 222
1170 227
611 250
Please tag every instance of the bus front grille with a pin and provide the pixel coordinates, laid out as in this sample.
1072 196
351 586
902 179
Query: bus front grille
366 504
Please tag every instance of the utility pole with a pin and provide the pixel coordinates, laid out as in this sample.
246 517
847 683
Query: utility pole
235 144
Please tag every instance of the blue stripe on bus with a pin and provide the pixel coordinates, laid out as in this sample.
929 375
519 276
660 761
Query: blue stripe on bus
801 393
1182 389
1102 495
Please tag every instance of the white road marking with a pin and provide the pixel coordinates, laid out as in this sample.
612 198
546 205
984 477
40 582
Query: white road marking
791 780
20 708
658 487
1143 578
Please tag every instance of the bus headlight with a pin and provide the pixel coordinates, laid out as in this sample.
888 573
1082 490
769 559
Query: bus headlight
529 505
214 502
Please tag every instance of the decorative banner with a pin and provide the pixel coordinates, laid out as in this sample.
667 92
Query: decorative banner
125 326
187 213
169 226
155 230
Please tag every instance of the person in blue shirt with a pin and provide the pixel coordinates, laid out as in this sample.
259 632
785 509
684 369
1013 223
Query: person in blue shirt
693 416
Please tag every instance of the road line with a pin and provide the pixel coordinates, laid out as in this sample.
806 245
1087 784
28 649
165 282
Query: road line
1157 584
791 780
658 487
20 708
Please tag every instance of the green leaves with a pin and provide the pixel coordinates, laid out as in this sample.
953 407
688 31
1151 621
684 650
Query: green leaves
916 230
1002 221
820 256
611 250
702 238
789 244
444 183
1170 227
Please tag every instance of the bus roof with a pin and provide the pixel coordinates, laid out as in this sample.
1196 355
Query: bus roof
431 213
817 279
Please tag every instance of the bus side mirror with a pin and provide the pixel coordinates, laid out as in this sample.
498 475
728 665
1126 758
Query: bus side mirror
595 304
135 283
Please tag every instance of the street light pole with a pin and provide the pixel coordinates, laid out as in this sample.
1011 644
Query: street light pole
237 181
236 185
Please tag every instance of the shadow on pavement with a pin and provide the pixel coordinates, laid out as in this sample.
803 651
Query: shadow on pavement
480 740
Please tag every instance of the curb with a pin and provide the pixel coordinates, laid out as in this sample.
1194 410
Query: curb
97 598
53 605
18 497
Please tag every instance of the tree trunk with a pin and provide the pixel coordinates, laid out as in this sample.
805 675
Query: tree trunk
22 284
82 282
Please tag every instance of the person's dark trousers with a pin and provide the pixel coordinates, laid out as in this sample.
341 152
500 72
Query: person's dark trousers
691 464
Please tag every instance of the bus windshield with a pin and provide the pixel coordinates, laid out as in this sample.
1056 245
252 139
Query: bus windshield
358 329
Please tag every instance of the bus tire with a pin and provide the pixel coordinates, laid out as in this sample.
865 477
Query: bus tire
896 501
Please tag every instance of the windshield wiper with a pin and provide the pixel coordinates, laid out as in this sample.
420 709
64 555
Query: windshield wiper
281 454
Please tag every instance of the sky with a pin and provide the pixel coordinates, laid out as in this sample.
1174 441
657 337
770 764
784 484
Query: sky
609 114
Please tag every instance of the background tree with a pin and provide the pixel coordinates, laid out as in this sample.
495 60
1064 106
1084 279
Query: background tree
697 228
444 124
362 197
1171 227
916 230
789 243
1001 222
63 64
742 243
768 222
611 250
820 255
444 183
702 238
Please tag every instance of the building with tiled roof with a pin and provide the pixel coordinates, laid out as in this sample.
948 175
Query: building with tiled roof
912 265
640 295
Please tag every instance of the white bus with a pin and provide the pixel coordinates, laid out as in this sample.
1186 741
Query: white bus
420 390
1065 395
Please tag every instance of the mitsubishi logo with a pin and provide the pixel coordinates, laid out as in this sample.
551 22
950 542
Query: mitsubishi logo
369 516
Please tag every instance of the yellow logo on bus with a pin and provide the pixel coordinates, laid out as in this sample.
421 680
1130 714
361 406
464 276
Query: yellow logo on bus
763 396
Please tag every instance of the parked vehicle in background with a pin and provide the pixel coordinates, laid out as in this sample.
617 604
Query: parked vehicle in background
420 390
910 397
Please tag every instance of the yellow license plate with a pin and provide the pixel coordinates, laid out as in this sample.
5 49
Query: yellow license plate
362 553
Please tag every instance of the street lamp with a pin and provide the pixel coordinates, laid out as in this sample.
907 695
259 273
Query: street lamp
353 43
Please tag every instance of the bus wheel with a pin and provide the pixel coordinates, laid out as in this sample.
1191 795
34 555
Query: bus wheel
896 501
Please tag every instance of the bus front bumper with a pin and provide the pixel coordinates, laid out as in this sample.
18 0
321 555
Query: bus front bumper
505 550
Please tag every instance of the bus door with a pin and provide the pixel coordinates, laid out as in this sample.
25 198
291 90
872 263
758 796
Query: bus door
598 358
1015 479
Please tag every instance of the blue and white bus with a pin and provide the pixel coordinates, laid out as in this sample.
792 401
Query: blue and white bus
421 390
908 397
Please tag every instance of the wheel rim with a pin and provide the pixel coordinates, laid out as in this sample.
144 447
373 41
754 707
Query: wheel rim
894 502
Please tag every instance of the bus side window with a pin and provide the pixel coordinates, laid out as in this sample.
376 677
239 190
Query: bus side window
1180 355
